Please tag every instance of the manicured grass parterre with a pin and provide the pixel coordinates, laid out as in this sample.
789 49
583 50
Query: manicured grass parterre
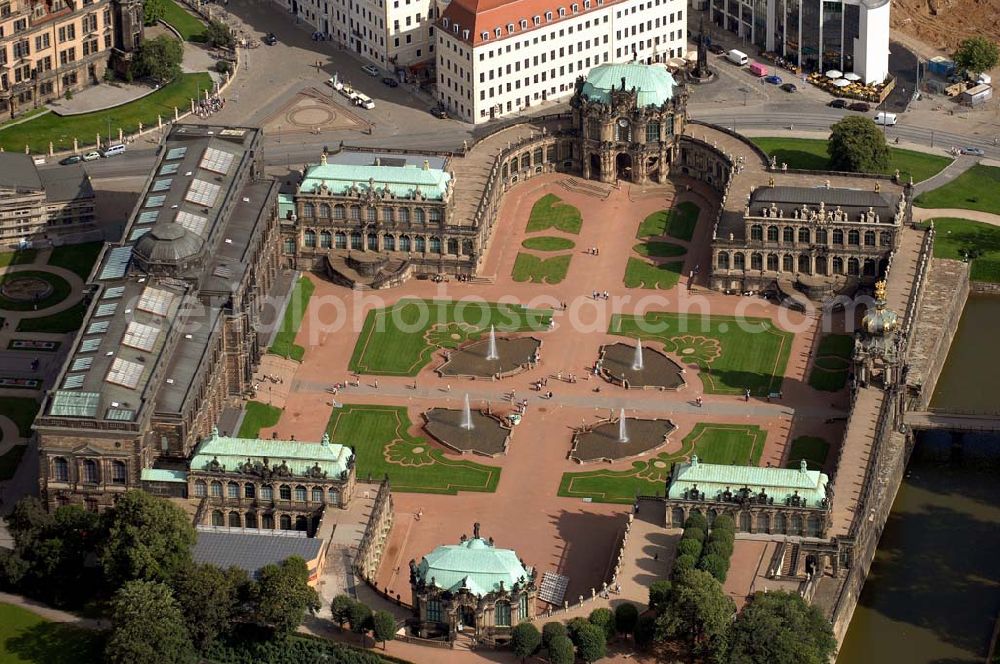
548 243
78 258
550 211
640 274
811 448
67 320
26 638
733 353
810 154
257 416
400 340
961 239
187 24
976 189
21 410
380 438
60 291
678 223
295 311
22 257
60 130
528 267
833 360
713 443
659 249
10 461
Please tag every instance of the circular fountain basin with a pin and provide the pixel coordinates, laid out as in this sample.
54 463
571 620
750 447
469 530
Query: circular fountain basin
601 442
488 436
658 371
513 356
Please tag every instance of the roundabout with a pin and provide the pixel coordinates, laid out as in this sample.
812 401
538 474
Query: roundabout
32 290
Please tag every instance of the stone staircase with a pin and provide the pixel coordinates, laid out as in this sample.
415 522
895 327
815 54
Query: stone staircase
586 188
790 562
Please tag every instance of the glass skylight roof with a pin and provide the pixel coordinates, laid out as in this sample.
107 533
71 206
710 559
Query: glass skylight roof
105 309
74 404
122 414
113 293
138 233
155 201
202 193
141 336
169 169
98 327
116 263
148 217
81 363
162 184
155 301
89 345
73 382
217 161
125 373
193 222
176 153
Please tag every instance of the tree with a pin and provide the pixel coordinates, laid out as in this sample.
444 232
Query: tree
560 650
160 58
723 522
153 11
209 598
551 630
716 566
696 534
340 607
780 628
384 627
718 548
977 54
282 596
28 521
696 521
683 564
359 617
574 626
645 631
857 145
219 35
626 617
689 547
146 538
590 643
525 639
659 594
147 627
699 613
605 619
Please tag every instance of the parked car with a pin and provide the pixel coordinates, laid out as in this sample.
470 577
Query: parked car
92 156
371 70
773 80
838 103
271 39
72 159
975 152
390 81
860 106
885 119
717 49
439 112
789 87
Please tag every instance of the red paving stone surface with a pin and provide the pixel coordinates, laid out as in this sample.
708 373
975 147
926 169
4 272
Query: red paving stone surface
572 537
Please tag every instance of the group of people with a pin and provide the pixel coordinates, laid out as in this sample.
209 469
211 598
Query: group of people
600 295
207 107
594 251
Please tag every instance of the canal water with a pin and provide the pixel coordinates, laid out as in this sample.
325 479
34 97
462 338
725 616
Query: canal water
933 594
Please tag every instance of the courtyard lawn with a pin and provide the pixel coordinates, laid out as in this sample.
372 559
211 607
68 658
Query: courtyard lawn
38 132
22 257
21 410
659 249
640 274
810 154
10 461
26 638
961 239
183 21
833 360
78 258
60 291
548 243
257 416
381 440
295 311
732 353
811 448
678 223
733 444
67 320
976 189
550 212
400 340
528 267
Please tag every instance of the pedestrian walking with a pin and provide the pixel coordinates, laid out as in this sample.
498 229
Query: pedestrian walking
746 395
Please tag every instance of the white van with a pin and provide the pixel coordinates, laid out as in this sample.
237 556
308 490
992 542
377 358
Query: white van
364 101
336 84
737 57
113 151
885 119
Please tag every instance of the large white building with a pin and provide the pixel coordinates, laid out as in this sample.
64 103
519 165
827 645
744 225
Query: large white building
497 57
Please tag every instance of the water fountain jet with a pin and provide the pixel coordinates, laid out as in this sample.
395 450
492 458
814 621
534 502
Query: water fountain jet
637 360
622 431
491 350
467 415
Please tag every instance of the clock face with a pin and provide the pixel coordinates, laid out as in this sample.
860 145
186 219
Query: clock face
622 122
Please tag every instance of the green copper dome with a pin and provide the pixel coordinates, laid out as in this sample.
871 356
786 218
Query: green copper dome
475 564
654 83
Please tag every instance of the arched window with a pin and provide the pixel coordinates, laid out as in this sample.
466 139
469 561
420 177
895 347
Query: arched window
300 494
467 247
821 236
838 236
118 472
434 214
217 518
285 522
333 496
419 215
216 489
772 262
388 214
652 132
805 264
453 246
340 240
780 523
289 245
308 210
722 262
787 263
796 524
234 520
267 522
249 491
504 171
744 522
853 237
251 520
502 615
772 233
434 611
355 213
625 131
90 475
371 214
338 212
739 261
317 495
435 245
421 244
869 238
404 215
763 523
804 235
525 161
756 233
885 238
325 240
267 492
389 242
309 238
355 239
538 156
285 492
522 607
838 265
853 267
756 262
301 523
200 488
404 243
232 490
60 469
324 211
788 234
869 269
373 241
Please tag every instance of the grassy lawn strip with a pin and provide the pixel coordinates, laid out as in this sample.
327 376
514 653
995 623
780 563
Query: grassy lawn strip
10 461
640 274
67 320
659 249
679 222
77 258
713 443
400 340
962 239
380 438
733 354
182 20
37 133
550 212
295 311
21 410
548 243
528 267
60 290
26 638
833 359
257 416
976 189
811 448
22 257
810 153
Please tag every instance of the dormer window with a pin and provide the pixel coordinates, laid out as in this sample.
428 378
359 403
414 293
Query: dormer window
537 20
485 36
510 28
586 4
454 28
562 12
524 24
446 23
498 32
576 8
548 16
465 34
